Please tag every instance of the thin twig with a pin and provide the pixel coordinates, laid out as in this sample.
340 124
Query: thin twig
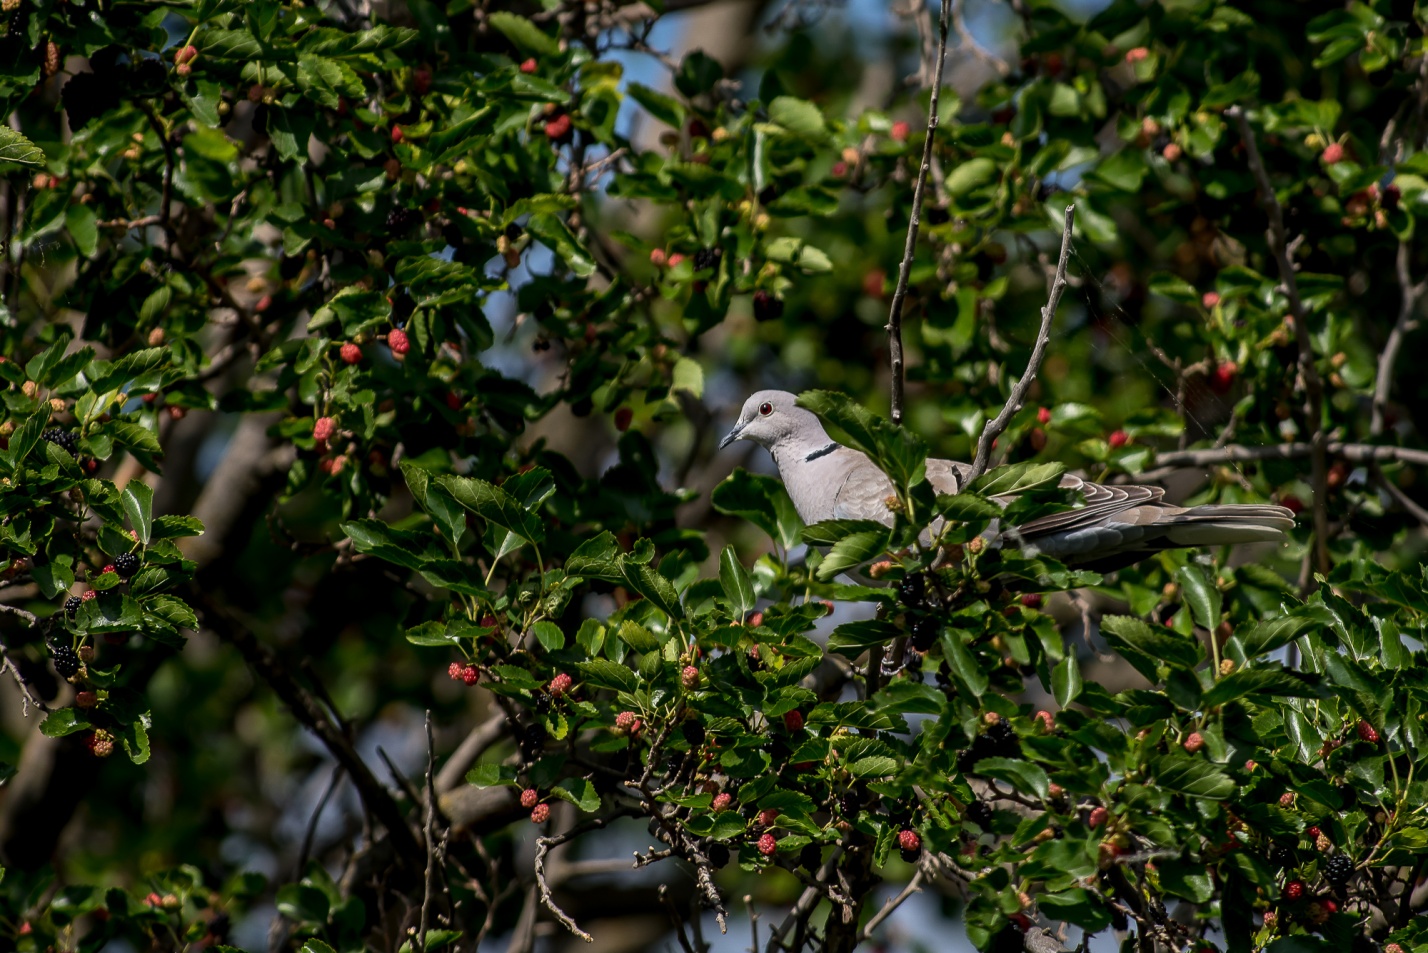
1236 453
543 846
913 886
429 826
472 747
1279 245
994 427
1401 498
1407 323
9 665
338 772
894 326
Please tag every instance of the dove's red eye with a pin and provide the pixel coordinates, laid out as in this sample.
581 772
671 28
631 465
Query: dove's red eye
765 408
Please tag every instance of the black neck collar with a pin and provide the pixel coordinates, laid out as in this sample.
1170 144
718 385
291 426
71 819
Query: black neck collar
821 453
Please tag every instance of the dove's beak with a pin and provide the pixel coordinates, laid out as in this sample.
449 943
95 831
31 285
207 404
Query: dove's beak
731 436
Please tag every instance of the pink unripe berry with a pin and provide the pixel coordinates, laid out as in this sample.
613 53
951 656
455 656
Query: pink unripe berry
1098 816
90 594
625 721
658 258
722 801
900 131
768 845
1368 732
1195 742
530 797
675 259
1210 298
1046 721
689 678
455 670
1043 415
1333 154
1137 54
351 353
397 134
560 684
324 428
398 341
767 816
908 840
528 66
1286 799
540 814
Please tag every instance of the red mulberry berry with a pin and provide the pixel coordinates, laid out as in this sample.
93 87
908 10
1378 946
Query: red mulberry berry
908 840
793 720
625 722
722 801
689 678
1286 799
1046 720
90 594
351 353
471 675
767 816
540 813
530 797
1098 816
768 845
1032 600
323 429
560 684
86 699
1043 415
1294 890
528 66
397 340
1118 438
558 129
397 135
1195 742
1368 733
456 670
1333 154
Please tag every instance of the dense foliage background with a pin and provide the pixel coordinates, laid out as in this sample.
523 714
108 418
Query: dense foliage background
371 578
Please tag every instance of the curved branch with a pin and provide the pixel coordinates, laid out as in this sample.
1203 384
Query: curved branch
994 427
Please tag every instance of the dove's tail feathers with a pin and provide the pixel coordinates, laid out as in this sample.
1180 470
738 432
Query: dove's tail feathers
1226 524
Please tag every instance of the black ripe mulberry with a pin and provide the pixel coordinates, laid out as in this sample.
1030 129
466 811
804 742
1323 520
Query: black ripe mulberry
400 220
65 659
126 564
706 258
1337 871
980 813
1003 736
62 438
767 306
71 605
924 634
913 590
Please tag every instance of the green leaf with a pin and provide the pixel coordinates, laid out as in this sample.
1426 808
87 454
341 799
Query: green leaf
580 792
1017 478
549 636
738 587
303 903
524 34
494 505
799 117
1274 682
1191 776
666 109
65 721
653 586
596 558
1201 595
852 639
411 550
138 502
1023 775
83 226
1066 680
964 666
553 233
19 150
1183 878
1271 634
852 551
969 175
604 673
1137 640
763 501
637 636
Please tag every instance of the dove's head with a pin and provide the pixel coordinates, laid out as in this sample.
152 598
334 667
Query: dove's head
770 418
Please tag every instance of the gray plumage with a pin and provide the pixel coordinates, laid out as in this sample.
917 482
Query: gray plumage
1117 525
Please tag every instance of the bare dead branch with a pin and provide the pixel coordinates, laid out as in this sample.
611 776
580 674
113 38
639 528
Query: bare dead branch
483 736
8 665
429 827
894 326
1235 453
1279 246
998 424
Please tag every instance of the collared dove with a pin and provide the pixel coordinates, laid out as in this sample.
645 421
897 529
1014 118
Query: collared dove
1117 526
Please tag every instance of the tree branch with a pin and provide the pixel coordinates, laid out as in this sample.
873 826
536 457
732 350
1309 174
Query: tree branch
309 711
1407 322
997 425
1235 453
453 772
913 886
1278 241
894 326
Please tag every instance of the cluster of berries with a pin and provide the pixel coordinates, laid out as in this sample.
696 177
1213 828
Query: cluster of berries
998 741
462 672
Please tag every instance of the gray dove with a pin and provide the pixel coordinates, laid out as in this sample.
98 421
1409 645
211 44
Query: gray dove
1117 526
